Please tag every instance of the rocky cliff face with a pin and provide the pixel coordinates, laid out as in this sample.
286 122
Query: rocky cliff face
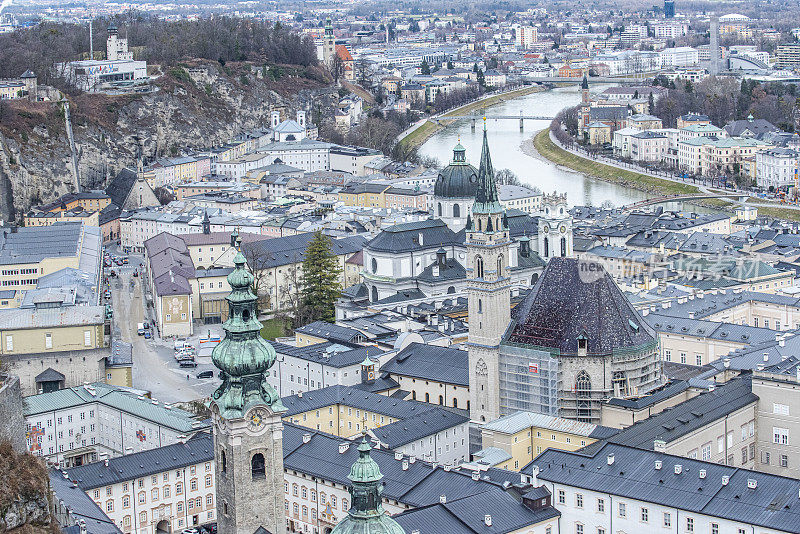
24 486
196 106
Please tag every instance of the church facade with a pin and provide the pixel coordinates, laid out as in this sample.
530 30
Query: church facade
430 258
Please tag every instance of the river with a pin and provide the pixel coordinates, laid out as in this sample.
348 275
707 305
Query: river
505 139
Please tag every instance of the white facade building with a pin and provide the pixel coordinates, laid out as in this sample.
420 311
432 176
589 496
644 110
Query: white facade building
682 56
76 425
777 167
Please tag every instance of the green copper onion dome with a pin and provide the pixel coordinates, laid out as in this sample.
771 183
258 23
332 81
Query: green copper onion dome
243 357
366 514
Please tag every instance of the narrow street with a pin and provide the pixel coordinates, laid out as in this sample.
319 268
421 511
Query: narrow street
154 366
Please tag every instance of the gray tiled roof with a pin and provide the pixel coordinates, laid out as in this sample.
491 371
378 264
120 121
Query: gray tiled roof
430 362
418 426
467 515
688 416
81 506
292 249
31 245
330 331
197 449
406 237
330 354
354 398
574 298
633 475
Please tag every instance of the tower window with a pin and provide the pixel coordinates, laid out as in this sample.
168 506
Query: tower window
456 211
224 462
257 466
480 306
479 267
546 247
440 209
245 315
563 247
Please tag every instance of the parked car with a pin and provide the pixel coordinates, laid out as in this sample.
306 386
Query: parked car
205 374
147 334
140 329
187 363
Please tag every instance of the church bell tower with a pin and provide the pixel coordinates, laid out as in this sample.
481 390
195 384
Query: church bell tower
246 411
488 290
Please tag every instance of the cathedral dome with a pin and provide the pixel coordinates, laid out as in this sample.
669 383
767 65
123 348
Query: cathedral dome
457 180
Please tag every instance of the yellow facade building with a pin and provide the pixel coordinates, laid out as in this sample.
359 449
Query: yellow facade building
513 441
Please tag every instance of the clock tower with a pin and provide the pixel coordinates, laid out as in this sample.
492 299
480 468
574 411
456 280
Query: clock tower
246 410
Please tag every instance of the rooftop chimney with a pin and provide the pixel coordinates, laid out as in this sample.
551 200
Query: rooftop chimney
487 519
610 459
752 483
658 464
343 447
725 479
306 438
678 469
476 475
702 473
443 498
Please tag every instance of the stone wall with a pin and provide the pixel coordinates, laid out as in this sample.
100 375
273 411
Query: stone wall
12 422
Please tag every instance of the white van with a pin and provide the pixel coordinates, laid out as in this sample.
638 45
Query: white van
140 329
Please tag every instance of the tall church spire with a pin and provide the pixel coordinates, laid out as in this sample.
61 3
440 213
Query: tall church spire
486 198
366 513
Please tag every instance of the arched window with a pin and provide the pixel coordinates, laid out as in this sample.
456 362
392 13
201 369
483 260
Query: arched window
257 467
224 461
478 267
440 209
374 265
451 290
534 278
374 294
455 402
456 211
414 395
500 266
467 405
480 306
583 394
546 247
441 400
427 397
563 247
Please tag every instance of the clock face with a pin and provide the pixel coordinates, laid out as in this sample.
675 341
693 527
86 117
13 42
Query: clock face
563 229
546 228
257 419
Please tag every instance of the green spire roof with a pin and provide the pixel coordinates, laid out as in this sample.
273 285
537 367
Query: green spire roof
243 357
486 199
365 469
366 513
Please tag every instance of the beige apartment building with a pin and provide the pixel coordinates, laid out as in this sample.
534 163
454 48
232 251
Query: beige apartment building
778 418
54 348
513 441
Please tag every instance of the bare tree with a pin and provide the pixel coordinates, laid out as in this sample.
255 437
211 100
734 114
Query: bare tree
337 68
259 260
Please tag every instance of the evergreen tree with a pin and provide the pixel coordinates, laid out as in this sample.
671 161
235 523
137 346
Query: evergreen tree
425 68
320 280
481 79
651 104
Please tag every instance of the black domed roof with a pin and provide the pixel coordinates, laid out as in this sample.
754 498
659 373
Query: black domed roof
457 180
